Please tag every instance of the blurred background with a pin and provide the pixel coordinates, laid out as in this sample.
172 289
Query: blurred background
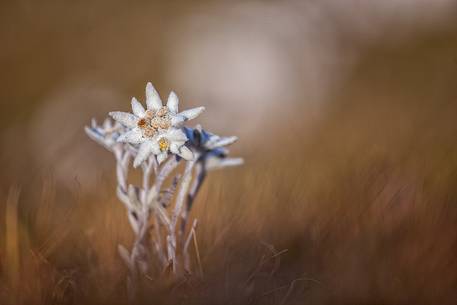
347 118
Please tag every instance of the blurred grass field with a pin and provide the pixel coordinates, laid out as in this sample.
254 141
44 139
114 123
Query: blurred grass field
353 202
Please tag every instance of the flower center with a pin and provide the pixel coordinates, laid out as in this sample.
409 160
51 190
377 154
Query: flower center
164 144
142 123
162 112
154 120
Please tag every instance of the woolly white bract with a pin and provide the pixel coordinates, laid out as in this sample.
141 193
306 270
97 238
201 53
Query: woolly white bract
157 141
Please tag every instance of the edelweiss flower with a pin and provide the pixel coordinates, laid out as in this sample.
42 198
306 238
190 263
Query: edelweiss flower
154 124
172 140
105 134
211 148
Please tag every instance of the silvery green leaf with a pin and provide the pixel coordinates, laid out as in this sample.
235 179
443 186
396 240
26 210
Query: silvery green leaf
217 163
174 147
145 150
97 137
137 108
185 153
177 120
173 102
175 135
221 141
192 113
107 124
125 118
153 100
133 136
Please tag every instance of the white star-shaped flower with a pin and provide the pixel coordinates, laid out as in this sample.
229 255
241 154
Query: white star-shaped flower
170 140
105 134
211 148
156 122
